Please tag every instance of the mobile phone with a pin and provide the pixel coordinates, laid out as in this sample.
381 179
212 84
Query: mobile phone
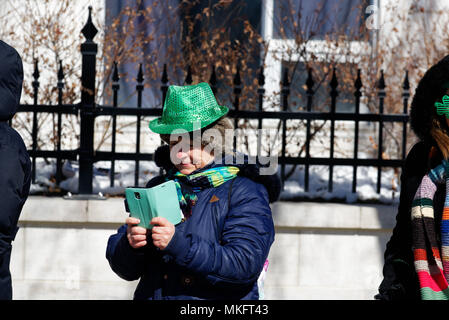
158 201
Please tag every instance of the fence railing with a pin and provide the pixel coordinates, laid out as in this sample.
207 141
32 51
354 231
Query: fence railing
87 111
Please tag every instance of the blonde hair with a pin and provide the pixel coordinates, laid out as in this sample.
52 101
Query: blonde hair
441 137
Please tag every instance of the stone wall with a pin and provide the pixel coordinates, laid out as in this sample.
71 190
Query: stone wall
321 250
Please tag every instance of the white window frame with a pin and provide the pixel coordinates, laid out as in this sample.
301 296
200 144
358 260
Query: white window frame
278 48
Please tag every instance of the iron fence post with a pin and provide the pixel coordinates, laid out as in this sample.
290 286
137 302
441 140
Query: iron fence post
36 76
285 92
334 95
381 94
59 129
357 94
86 150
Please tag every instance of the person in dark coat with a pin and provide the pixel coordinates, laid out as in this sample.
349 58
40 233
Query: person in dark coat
431 126
220 249
15 166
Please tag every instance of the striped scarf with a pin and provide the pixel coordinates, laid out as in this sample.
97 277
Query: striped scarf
189 185
431 266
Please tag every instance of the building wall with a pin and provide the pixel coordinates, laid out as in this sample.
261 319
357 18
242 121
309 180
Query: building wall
321 251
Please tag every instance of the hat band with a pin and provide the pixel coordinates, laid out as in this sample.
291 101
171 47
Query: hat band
179 118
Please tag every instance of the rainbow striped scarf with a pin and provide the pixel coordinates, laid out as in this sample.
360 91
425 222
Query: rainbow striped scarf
431 266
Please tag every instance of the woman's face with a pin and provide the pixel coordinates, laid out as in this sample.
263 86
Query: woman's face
188 157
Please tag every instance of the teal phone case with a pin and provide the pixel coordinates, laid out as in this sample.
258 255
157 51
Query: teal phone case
159 201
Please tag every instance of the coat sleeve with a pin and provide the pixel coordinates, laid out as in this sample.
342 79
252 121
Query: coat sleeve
400 280
14 184
247 235
127 262
124 260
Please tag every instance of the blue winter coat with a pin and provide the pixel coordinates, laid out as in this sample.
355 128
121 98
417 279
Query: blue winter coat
15 167
218 253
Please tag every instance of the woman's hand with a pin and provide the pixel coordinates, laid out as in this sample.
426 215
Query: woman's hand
162 232
137 236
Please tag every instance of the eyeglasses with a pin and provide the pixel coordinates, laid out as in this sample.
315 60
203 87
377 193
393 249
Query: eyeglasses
443 108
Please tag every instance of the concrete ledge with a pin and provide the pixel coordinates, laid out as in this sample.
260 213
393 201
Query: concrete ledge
333 216
303 215
59 210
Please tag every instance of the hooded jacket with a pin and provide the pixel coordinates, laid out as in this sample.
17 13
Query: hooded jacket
15 167
400 278
218 253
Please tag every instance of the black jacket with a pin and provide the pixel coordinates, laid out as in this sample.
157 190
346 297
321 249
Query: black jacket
15 167
400 278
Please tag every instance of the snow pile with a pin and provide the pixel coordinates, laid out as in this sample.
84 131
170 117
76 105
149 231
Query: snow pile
124 176
293 188
342 185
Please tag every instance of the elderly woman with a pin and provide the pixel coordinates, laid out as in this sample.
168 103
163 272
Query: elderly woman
220 248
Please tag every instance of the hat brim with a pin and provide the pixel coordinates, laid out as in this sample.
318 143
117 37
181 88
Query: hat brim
158 127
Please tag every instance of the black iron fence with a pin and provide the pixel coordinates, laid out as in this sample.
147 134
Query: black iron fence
87 111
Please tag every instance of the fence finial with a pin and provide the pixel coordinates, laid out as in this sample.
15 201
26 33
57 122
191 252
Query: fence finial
406 85
115 75
60 72
213 77
140 74
334 81
381 83
164 78
89 30
237 81
358 82
285 81
36 73
213 80
189 79
334 95
261 78
310 82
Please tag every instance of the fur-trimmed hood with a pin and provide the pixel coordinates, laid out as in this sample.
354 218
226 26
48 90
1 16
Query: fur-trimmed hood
271 182
431 88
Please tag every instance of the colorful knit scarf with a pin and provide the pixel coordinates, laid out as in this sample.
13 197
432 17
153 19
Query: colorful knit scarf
431 266
189 185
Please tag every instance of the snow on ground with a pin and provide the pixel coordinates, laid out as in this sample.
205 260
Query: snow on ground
342 185
124 176
293 188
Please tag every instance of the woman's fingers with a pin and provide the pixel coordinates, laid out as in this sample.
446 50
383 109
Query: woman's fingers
138 230
163 236
132 221
137 236
161 233
159 230
137 240
139 244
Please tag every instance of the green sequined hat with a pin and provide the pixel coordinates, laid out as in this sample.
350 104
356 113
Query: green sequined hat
189 108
